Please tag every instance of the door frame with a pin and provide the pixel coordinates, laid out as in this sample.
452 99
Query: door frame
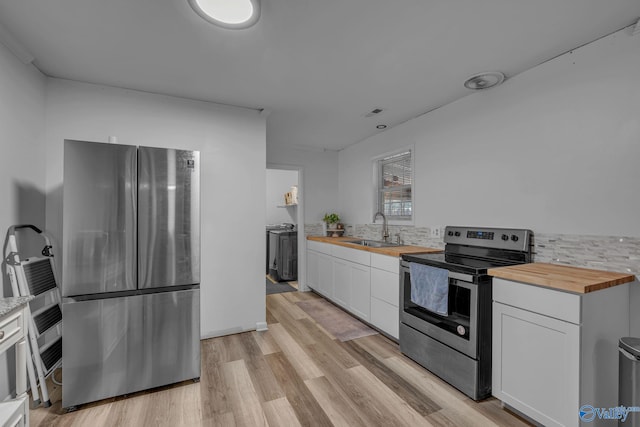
302 259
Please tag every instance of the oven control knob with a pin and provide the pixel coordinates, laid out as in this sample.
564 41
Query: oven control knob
461 330
514 237
457 233
505 237
450 233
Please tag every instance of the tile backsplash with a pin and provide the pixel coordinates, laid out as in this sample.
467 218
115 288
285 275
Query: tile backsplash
611 253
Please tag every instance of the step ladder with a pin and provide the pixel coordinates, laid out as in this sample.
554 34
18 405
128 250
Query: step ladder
35 276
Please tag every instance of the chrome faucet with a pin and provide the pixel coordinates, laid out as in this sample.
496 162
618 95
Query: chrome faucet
385 229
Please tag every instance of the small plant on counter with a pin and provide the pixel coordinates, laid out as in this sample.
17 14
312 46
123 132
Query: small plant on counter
331 218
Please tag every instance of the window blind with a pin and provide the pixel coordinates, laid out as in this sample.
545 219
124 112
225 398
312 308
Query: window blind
394 186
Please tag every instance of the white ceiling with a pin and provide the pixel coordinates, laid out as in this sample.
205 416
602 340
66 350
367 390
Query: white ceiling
317 66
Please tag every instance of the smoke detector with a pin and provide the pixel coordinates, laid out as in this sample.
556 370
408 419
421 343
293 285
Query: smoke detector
484 80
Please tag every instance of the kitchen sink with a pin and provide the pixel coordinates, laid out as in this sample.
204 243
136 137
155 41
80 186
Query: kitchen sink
373 243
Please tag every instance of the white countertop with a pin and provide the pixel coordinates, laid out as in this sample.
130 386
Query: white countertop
7 305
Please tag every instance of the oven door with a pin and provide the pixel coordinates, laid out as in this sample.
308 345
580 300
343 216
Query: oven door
459 328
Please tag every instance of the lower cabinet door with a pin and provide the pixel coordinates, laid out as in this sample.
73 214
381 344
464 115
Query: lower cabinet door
361 291
536 365
325 275
385 316
352 287
312 270
15 413
341 282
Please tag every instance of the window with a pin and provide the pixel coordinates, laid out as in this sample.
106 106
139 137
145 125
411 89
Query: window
395 177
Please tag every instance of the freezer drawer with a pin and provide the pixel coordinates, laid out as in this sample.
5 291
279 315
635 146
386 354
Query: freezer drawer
122 345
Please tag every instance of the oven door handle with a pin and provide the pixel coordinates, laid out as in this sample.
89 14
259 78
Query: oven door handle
461 276
452 274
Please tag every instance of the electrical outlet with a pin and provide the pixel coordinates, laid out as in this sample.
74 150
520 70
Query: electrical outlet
435 231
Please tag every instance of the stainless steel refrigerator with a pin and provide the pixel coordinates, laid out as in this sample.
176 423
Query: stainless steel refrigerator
130 269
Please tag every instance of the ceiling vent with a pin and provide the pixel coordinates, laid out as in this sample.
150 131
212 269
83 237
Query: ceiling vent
373 112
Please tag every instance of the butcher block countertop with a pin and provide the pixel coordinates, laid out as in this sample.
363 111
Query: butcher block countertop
395 251
562 277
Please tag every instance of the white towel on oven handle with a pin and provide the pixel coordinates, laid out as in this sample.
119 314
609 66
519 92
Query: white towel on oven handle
430 287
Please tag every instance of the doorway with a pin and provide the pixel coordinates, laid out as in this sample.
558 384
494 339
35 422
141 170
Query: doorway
284 226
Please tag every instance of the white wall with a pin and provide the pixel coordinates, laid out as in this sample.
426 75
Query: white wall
319 178
22 165
555 149
231 142
278 183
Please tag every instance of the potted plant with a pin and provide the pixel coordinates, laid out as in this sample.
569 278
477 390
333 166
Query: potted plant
332 220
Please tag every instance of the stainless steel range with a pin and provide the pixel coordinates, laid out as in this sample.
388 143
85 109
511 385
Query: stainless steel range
453 339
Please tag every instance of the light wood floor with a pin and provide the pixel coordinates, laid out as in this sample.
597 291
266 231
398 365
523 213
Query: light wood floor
295 373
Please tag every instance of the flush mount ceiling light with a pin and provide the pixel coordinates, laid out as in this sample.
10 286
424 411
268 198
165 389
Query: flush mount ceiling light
381 126
484 80
233 14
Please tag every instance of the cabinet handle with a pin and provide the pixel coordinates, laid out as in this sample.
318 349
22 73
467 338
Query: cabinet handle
1 334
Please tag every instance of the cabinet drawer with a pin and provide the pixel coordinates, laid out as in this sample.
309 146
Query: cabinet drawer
11 329
353 255
14 413
547 302
385 286
385 262
323 248
385 316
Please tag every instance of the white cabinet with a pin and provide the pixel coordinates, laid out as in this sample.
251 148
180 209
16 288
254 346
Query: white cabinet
312 269
13 332
555 351
320 268
342 282
385 293
15 413
385 317
325 275
538 370
351 281
360 302
354 255
363 283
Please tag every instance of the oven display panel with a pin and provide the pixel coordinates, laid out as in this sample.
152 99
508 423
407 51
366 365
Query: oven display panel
485 235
